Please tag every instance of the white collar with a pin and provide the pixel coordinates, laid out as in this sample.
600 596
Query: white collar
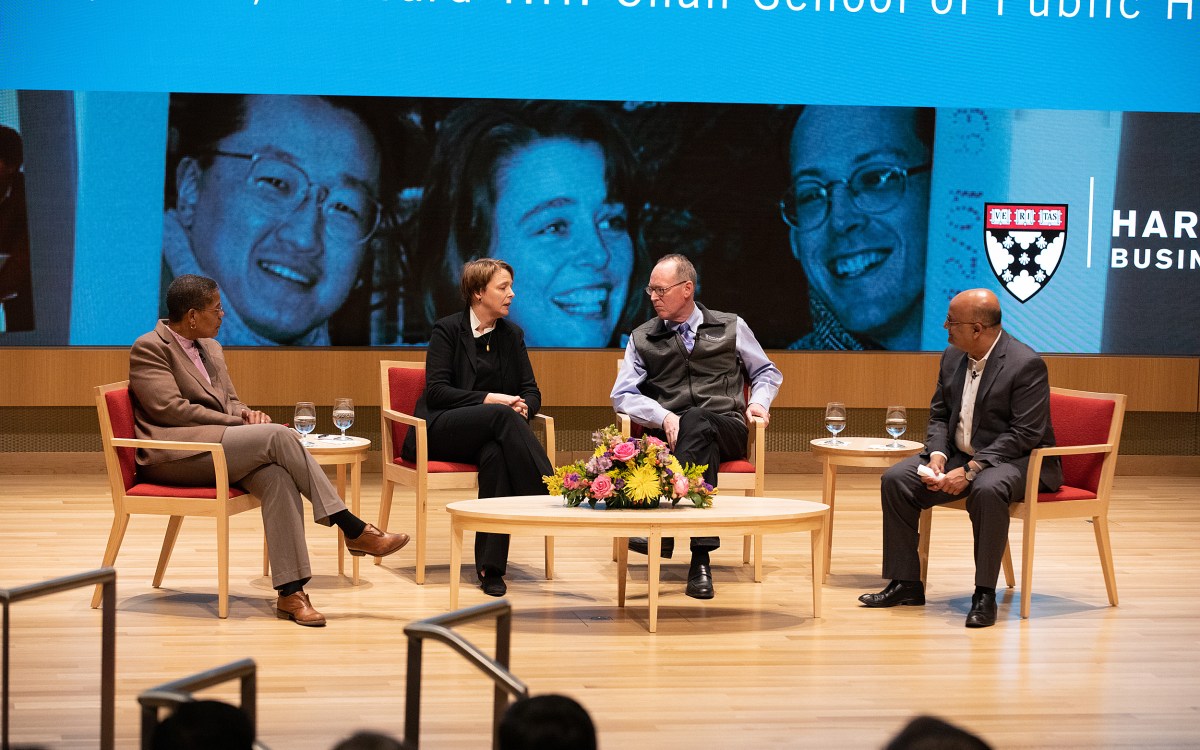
476 322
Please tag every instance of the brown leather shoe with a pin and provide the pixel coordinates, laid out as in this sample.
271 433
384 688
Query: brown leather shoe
376 543
297 607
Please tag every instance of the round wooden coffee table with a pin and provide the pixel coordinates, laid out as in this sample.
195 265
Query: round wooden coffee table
856 451
542 515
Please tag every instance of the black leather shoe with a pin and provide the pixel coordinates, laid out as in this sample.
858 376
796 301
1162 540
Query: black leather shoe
493 585
700 583
639 545
895 594
983 611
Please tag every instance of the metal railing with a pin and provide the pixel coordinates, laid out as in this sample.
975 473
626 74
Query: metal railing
172 694
438 629
105 577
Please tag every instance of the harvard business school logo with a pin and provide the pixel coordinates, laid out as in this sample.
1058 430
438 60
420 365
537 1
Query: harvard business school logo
1024 244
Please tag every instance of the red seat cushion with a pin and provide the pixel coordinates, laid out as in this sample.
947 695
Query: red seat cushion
438 467
741 466
146 489
1065 493
1081 421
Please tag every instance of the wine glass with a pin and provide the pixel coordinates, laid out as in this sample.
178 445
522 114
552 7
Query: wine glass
835 421
343 415
305 420
895 422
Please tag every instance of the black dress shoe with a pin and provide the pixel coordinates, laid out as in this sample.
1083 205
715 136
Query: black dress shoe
700 583
983 611
493 585
895 594
639 545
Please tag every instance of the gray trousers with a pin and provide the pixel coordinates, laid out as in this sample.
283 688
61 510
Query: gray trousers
904 496
267 460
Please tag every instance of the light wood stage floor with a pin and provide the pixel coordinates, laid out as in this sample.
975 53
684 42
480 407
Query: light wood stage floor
748 669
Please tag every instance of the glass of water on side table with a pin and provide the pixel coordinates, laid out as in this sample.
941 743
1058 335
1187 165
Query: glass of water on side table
343 415
895 422
305 420
835 421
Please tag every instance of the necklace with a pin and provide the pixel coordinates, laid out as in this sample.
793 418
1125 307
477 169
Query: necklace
487 340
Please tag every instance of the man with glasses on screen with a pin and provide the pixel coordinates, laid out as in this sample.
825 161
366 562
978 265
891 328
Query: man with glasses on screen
681 379
275 197
858 208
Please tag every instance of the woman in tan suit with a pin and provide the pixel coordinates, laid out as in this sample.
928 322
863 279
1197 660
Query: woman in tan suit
182 391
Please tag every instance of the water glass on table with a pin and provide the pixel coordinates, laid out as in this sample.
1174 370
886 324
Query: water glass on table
343 415
305 420
895 422
835 421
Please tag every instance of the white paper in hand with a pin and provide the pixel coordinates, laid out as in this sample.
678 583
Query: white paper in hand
924 471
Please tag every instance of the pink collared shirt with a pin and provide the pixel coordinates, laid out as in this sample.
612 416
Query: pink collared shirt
193 351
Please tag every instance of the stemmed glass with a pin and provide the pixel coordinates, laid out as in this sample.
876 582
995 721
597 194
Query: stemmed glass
835 421
305 420
343 415
895 422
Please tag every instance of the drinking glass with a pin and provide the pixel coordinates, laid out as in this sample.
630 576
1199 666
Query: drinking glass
835 421
343 415
305 420
895 422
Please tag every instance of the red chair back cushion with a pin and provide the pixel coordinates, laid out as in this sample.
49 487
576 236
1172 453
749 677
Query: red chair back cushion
120 414
405 385
1081 421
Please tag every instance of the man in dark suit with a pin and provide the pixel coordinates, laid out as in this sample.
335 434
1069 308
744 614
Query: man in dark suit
990 409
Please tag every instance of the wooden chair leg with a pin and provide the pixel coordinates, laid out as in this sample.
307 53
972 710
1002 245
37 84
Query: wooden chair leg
747 548
1027 566
422 511
115 536
222 566
616 549
924 528
385 509
168 545
266 558
549 558
1104 547
1006 564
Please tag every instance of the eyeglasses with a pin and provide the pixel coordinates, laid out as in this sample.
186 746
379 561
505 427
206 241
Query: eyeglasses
219 310
951 323
873 188
278 188
661 291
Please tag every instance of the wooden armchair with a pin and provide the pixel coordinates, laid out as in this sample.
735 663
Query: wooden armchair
400 385
1087 428
130 495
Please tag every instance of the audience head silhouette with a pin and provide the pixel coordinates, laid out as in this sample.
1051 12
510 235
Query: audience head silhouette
205 725
547 722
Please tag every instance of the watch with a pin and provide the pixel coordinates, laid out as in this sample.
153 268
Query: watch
970 473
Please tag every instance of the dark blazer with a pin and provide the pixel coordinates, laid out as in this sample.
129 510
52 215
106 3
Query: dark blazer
450 371
1012 408
172 401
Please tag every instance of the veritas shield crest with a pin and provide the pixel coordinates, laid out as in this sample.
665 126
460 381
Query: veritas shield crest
1025 243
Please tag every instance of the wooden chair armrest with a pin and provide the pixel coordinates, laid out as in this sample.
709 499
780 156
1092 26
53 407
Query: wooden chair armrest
547 423
397 416
168 445
625 423
1071 450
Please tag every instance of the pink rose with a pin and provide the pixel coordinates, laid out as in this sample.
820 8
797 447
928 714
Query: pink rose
681 485
625 451
655 441
602 487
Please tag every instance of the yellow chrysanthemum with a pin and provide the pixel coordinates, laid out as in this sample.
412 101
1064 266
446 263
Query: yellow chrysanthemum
674 465
641 483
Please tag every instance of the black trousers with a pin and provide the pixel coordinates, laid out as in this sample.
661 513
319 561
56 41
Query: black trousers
708 438
904 496
511 462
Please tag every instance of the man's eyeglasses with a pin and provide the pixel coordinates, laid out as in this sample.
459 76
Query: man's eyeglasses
661 291
951 323
873 188
277 188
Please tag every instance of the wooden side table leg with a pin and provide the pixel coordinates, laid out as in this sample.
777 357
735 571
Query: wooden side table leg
341 490
653 564
828 490
758 552
355 507
621 546
456 537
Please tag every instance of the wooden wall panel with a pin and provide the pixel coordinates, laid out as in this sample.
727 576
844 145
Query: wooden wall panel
65 377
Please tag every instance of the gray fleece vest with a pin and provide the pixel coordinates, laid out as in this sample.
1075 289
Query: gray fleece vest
710 378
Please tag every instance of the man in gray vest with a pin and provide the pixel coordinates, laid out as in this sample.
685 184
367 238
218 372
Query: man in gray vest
682 379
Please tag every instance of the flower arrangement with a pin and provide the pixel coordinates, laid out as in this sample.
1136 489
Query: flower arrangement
630 473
